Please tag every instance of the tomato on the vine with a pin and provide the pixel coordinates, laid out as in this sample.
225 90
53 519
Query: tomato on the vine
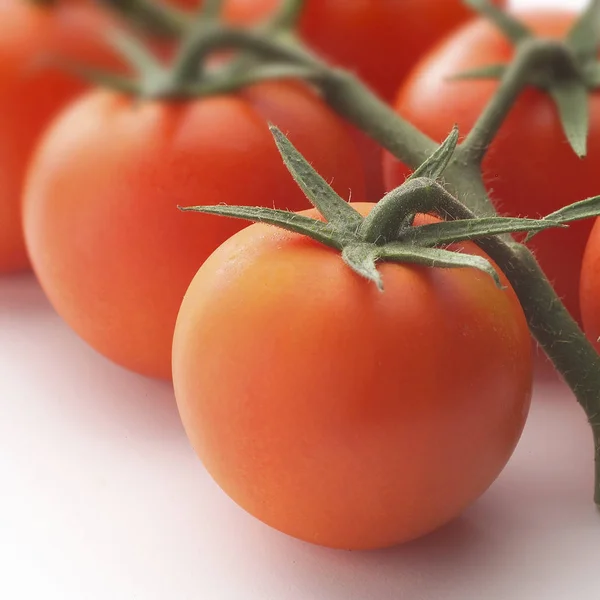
31 93
380 40
106 240
530 169
336 413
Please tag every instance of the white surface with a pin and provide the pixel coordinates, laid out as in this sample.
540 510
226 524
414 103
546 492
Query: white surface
101 497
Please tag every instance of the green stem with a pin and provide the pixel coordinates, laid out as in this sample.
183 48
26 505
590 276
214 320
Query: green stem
351 99
550 323
156 17
596 438
396 208
346 93
211 9
228 82
288 15
530 56
205 39
558 333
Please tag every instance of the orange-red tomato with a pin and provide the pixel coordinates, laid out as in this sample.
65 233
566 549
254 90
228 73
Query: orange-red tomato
336 413
106 240
30 94
530 169
590 286
380 40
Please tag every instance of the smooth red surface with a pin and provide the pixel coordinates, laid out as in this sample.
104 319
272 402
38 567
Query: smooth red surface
107 242
530 169
31 93
336 413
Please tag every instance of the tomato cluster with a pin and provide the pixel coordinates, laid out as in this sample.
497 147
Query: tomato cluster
331 411
529 168
32 93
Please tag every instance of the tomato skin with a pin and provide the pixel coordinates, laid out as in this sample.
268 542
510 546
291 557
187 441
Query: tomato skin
380 39
530 170
590 286
309 395
106 240
30 96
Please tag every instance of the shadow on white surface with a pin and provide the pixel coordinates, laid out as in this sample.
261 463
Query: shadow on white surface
21 295
99 393
101 497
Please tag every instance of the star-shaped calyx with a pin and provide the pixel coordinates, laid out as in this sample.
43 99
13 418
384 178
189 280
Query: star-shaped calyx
387 233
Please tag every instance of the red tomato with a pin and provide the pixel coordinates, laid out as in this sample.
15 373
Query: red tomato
378 39
106 240
309 395
30 96
590 286
530 169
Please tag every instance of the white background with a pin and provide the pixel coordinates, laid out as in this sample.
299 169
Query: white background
102 498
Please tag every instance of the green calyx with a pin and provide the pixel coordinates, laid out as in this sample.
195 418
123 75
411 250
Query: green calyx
567 70
387 233
200 36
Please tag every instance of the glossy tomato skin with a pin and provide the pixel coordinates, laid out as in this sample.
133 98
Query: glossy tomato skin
530 169
380 39
106 240
338 414
590 286
31 95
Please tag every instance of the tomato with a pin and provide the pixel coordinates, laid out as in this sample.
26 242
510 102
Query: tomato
530 169
31 95
590 286
380 40
106 240
338 414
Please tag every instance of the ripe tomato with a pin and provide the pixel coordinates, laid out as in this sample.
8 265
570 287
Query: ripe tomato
590 286
106 240
30 96
379 39
530 169
309 395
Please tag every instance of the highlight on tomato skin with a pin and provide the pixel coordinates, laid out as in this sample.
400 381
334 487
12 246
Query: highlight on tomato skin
529 170
31 95
338 414
110 248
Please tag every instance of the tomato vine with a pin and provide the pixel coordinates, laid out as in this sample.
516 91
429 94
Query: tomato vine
565 69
